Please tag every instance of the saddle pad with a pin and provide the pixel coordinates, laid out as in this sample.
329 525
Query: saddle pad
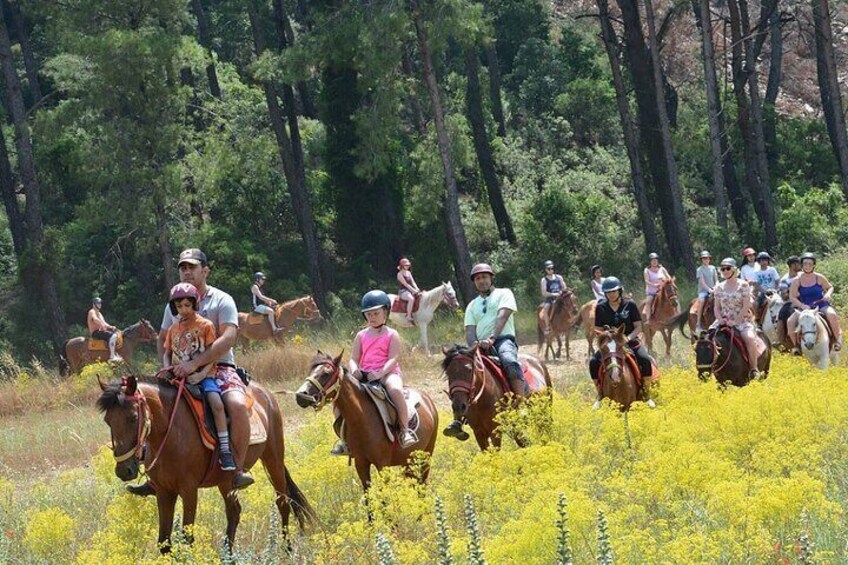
399 305
387 410
206 423
100 345
254 319
534 382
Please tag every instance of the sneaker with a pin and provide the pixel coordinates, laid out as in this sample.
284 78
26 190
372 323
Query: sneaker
837 346
243 479
116 359
340 449
408 438
277 331
144 489
797 351
596 405
455 430
227 461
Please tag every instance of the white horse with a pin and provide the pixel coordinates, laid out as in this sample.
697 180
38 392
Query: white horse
815 339
770 322
430 301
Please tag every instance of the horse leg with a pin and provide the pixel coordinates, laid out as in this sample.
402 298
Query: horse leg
165 501
363 470
425 343
482 438
559 346
189 513
667 337
568 345
232 507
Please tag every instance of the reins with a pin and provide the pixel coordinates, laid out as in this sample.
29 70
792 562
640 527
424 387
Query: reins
326 392
478 374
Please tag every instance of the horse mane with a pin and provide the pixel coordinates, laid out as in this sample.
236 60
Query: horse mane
454 351
559 303
131 327
113 397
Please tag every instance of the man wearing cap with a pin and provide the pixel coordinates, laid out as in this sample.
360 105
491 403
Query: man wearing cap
261 303
219 307
489 324
99 329
551 286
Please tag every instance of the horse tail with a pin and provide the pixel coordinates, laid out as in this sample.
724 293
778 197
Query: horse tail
302 509
681 321
64 366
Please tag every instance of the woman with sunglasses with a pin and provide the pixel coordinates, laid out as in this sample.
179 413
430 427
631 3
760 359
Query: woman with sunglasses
733 302
812 290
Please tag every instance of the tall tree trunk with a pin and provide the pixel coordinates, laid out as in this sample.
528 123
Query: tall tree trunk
456 231
412 97
474 106
206 43
13 12
704 21
681 245
773 87
37 256
285 37
17 225
646 216
829 89
292 169
494 67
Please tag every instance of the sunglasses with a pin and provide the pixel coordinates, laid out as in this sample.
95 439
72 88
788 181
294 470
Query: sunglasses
549 268
484 305
723 269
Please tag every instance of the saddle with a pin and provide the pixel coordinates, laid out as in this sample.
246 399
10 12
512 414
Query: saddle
399 305
101 345
737 342
254 319
388 413
534 382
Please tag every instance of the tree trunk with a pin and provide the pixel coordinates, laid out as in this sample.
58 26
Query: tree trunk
10 200
206 43
474 106
646 216
37 261
293 171
285 37
494 66
13 11
456 231
773 87
412 97
829 89
704 21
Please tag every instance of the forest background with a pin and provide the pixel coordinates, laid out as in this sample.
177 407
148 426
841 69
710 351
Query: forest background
319 141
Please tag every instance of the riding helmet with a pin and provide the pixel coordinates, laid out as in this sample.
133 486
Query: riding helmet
258 276
374 300
653 256
180 291
481 268
706 253
611 284
97 300
549 264
729 262
808 255
764 255
593 269
404 262
748 251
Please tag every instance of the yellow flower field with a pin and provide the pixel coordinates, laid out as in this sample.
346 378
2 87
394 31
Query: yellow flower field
753 475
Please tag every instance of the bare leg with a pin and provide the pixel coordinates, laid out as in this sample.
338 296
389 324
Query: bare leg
218 412
410 304
273 320
791 326
833 319
236 405
698 320
112 343
648 305
751 347
394 386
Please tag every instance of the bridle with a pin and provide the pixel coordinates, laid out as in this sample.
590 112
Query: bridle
478 375
143 431
814 332
669 291
610 360
716 350
449 299
328 391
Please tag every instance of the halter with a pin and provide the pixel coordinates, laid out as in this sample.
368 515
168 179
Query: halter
326 392
143 414
716 353
611 360
478 372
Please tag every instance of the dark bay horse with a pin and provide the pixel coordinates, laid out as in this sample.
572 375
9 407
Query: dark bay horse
564 316
140 415
618 373
715 354
284 315
78 355
666 313
365 434
476 394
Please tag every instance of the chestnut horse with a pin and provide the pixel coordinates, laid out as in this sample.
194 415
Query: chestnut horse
141 414
476 394
707 318
617 375
587 319
716 353
285 314
365 434
564 316
665 315
78 355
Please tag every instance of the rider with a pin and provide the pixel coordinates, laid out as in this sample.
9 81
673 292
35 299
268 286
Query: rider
733 301
794 264
99 329
220 308
707 279
613 311
749 265
490 325
190 336
655 275
812 290
551 286
766 278
408 289
597 277
261 303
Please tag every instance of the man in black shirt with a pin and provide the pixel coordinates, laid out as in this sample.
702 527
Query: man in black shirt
614 311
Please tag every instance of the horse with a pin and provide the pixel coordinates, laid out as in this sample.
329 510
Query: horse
771 324
814 337
587 319
430 300
142 413
618 374
707 318
285 314
476 394
666 314
717 354
78 355
564 316
365 433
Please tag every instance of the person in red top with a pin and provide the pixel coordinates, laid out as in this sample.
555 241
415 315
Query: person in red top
187 338
408 289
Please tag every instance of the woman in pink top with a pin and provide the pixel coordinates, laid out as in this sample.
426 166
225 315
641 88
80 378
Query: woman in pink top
655 274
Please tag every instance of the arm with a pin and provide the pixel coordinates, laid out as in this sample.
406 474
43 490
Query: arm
470 335
637 331
355 356
647 280
394 353
500 322
747 303
413 284
543 288
794 293
160 348
828 288
562 282
223 344
717 309
258 294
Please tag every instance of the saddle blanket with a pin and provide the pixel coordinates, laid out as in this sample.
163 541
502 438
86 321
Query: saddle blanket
399 305
254 319
100 345
206 423
387 410
535 382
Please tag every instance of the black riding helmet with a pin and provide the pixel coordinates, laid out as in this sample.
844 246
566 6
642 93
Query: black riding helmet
258 276
793 260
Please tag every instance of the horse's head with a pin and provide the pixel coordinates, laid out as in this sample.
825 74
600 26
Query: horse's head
458 366
611 344
323 383
311 312
449 296
566 302
705 354
668 291
808 328
128 417
147 332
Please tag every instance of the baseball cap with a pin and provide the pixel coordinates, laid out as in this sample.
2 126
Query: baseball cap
193 256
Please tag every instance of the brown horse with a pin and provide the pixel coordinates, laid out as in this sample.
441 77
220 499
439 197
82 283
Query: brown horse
587 320
564 316
691 318
717 353
284 315
78 355
476 394
365 433
666 313
617 376
141 414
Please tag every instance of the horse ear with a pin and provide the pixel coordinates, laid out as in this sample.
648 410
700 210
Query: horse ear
445 349
619 331
598 331
338 360
131 385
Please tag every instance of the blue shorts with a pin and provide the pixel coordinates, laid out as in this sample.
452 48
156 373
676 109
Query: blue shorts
210 384
702 295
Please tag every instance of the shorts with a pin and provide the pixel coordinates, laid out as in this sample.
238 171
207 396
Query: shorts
703 294
227 379
104 335
405 295
210 384
263 309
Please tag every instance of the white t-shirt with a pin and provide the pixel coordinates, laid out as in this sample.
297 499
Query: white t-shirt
748 272
217 306
767 278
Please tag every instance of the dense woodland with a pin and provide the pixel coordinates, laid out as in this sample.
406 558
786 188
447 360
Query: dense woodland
321 140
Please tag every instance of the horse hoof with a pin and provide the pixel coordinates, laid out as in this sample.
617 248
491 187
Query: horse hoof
651 403
596 405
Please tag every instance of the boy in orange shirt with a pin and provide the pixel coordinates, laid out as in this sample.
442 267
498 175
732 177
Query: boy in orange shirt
185 340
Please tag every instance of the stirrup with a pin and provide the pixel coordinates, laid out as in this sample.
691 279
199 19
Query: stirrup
340 449
408 438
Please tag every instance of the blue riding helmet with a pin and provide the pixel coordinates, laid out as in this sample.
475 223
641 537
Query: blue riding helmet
374 300
611 284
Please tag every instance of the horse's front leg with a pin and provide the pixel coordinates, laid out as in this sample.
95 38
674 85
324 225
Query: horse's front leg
165 501
667 338
189 514
425 343
559 346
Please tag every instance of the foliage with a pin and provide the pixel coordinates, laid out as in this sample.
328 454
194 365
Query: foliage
814 220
